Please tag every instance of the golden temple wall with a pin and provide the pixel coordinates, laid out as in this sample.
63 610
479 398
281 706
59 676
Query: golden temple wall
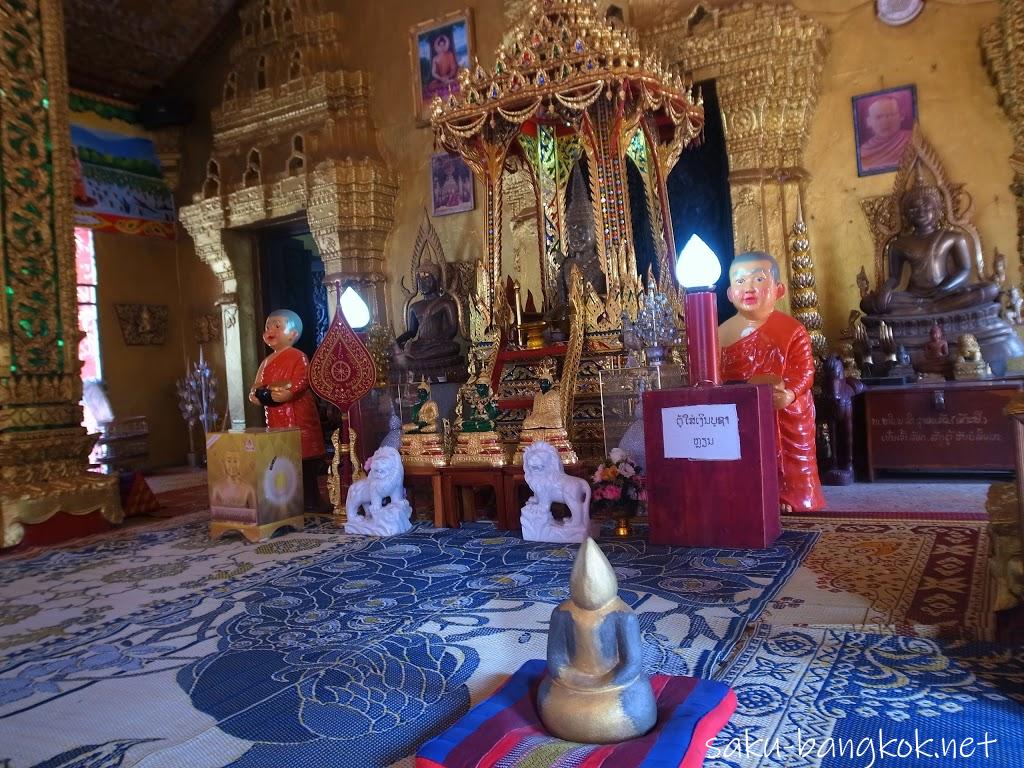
958 112
938 52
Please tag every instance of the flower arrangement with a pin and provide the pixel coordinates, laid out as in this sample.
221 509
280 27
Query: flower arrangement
618 482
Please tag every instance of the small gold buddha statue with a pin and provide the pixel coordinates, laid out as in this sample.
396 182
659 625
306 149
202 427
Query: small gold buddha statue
421 442
969 364
545 420
596 690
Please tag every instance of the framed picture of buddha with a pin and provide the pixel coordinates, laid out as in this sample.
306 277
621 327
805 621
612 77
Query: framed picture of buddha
451 185
883 122
439 49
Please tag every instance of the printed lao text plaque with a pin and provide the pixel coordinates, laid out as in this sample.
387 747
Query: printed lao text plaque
712 466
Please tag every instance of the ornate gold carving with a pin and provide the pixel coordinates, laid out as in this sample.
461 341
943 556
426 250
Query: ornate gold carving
294 134
564 61
767 61
1002 45
142 324
43 450
804 294
37 502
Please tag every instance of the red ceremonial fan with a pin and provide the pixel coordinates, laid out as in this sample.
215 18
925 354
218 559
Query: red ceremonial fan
342 370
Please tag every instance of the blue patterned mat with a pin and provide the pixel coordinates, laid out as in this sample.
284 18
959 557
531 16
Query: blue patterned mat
164 649
833 698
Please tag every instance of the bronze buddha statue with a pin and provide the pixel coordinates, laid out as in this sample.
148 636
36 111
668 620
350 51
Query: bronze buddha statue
941 288
428 347
939 259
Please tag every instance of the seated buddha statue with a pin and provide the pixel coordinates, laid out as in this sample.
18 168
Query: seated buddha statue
545 420
429 348
939 259
940 285
595 690
421 442
477 441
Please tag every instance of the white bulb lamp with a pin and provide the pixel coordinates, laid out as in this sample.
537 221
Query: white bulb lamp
357 314
697 270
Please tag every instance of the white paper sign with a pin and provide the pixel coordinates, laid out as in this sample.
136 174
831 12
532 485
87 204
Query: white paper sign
701 432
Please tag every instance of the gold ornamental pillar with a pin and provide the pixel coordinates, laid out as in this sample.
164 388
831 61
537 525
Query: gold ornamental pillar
1002 46
766 60
43 447
350 213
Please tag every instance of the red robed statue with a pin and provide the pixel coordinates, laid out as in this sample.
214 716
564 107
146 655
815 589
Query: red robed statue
763 346
282 387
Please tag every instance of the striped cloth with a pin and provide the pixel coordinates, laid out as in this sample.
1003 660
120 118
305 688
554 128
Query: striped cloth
505 731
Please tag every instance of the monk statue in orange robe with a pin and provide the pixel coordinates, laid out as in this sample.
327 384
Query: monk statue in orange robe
763 346
282 387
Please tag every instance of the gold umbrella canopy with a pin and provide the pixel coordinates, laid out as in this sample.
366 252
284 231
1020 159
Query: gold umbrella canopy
557 63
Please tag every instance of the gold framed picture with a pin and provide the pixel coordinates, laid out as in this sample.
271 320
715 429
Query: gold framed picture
439 48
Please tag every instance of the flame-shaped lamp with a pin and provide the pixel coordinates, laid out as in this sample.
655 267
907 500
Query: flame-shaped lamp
697 270
356 312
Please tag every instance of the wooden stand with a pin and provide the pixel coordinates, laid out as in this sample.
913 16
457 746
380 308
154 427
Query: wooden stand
466 478
697 503
421 471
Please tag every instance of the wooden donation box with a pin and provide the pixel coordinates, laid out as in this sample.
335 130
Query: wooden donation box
255 480
947 426
712 466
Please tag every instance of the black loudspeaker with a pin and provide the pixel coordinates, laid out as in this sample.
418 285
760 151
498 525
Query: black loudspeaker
160 110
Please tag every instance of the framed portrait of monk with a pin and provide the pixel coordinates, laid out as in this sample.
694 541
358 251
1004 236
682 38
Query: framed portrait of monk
883 122
439 48
451 185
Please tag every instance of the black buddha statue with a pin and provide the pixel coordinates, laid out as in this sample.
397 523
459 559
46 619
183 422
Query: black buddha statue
428 348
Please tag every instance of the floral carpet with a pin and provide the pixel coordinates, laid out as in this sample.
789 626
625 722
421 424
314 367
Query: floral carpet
905 577
159 648
834 698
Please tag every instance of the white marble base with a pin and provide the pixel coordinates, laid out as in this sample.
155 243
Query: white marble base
539 525
389 520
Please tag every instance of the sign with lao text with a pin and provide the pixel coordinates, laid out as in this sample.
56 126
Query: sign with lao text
701 432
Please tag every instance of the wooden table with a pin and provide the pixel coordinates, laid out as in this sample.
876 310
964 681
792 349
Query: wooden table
416 472
466 477
946 426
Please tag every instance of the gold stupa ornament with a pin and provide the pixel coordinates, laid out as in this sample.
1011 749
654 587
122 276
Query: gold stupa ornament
566 84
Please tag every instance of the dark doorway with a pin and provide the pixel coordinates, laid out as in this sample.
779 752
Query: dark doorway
699 198
291 277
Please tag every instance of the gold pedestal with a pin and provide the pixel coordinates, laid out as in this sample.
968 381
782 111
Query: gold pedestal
558 438
424 449
252 531
534 334
34 503
479 448
970 371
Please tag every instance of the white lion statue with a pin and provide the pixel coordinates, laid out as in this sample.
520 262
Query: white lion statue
546 477
385 481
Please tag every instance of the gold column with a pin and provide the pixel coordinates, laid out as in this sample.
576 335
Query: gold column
1002 46
767 62
43 447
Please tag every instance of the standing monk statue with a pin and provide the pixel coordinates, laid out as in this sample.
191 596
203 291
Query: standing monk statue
282 387
762 345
